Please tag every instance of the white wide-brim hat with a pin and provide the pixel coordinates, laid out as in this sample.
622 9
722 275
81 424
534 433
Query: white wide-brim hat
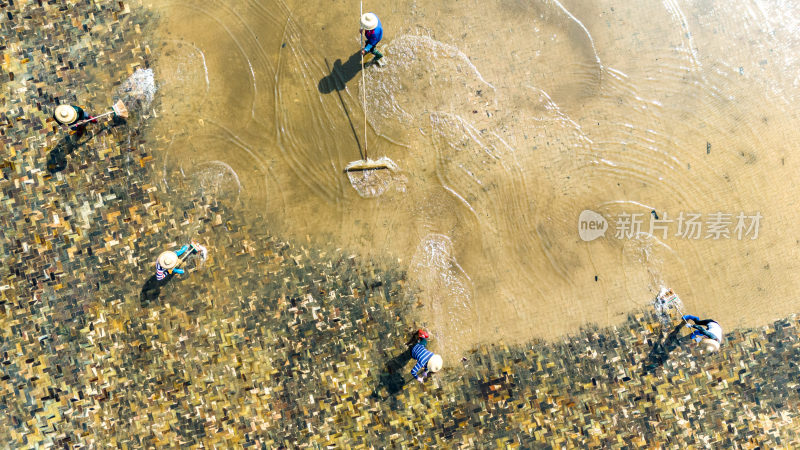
369 21
435 363
710 345
168 260
66 114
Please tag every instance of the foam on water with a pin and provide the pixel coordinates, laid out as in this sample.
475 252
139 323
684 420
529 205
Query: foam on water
219 179
139 89
434 64
445 291
667 306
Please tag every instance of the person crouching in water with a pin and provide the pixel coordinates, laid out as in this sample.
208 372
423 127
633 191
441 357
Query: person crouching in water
427 361
707 333
71 115
373 32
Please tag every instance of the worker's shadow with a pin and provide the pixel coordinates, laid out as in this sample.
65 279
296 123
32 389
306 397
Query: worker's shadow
659 354
57 158
152 289
392 379
340 74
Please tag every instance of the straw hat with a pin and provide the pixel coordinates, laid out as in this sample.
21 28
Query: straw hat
435 363
369 21
710 345
66 114
168 260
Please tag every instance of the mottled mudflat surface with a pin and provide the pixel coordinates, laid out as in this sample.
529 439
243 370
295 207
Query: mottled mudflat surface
276 342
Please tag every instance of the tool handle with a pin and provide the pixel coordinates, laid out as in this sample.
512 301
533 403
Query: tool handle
363 85
193 249
93 118
189 252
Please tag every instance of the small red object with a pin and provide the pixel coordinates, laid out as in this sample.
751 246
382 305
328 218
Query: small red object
423 334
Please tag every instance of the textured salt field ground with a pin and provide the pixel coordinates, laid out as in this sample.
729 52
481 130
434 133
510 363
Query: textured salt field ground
279 342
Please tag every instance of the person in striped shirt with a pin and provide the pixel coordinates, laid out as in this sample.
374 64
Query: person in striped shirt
425 358
167 263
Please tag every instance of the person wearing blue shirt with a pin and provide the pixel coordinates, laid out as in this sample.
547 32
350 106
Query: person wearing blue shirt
167 263
706 332
425 358
373 32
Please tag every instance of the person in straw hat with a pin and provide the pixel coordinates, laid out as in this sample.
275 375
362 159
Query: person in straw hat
167 262
71 114
373 32
426 359
707 333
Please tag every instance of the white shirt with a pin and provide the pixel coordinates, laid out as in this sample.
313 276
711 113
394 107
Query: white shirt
715 329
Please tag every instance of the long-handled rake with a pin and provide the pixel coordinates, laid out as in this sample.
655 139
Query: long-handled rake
366 163
118 109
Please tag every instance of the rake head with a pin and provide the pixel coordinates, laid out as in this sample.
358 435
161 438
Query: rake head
120 109
362 165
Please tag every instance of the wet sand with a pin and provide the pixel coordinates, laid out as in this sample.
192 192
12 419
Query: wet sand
508 119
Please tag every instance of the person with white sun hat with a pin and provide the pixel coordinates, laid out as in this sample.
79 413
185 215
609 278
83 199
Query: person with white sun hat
426 359
168 262
70 115
373 32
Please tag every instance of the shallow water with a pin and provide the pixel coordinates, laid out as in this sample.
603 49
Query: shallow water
507 120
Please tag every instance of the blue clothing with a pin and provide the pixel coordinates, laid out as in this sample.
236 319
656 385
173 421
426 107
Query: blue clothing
699 334
704 329
162 273
422 355
373 37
